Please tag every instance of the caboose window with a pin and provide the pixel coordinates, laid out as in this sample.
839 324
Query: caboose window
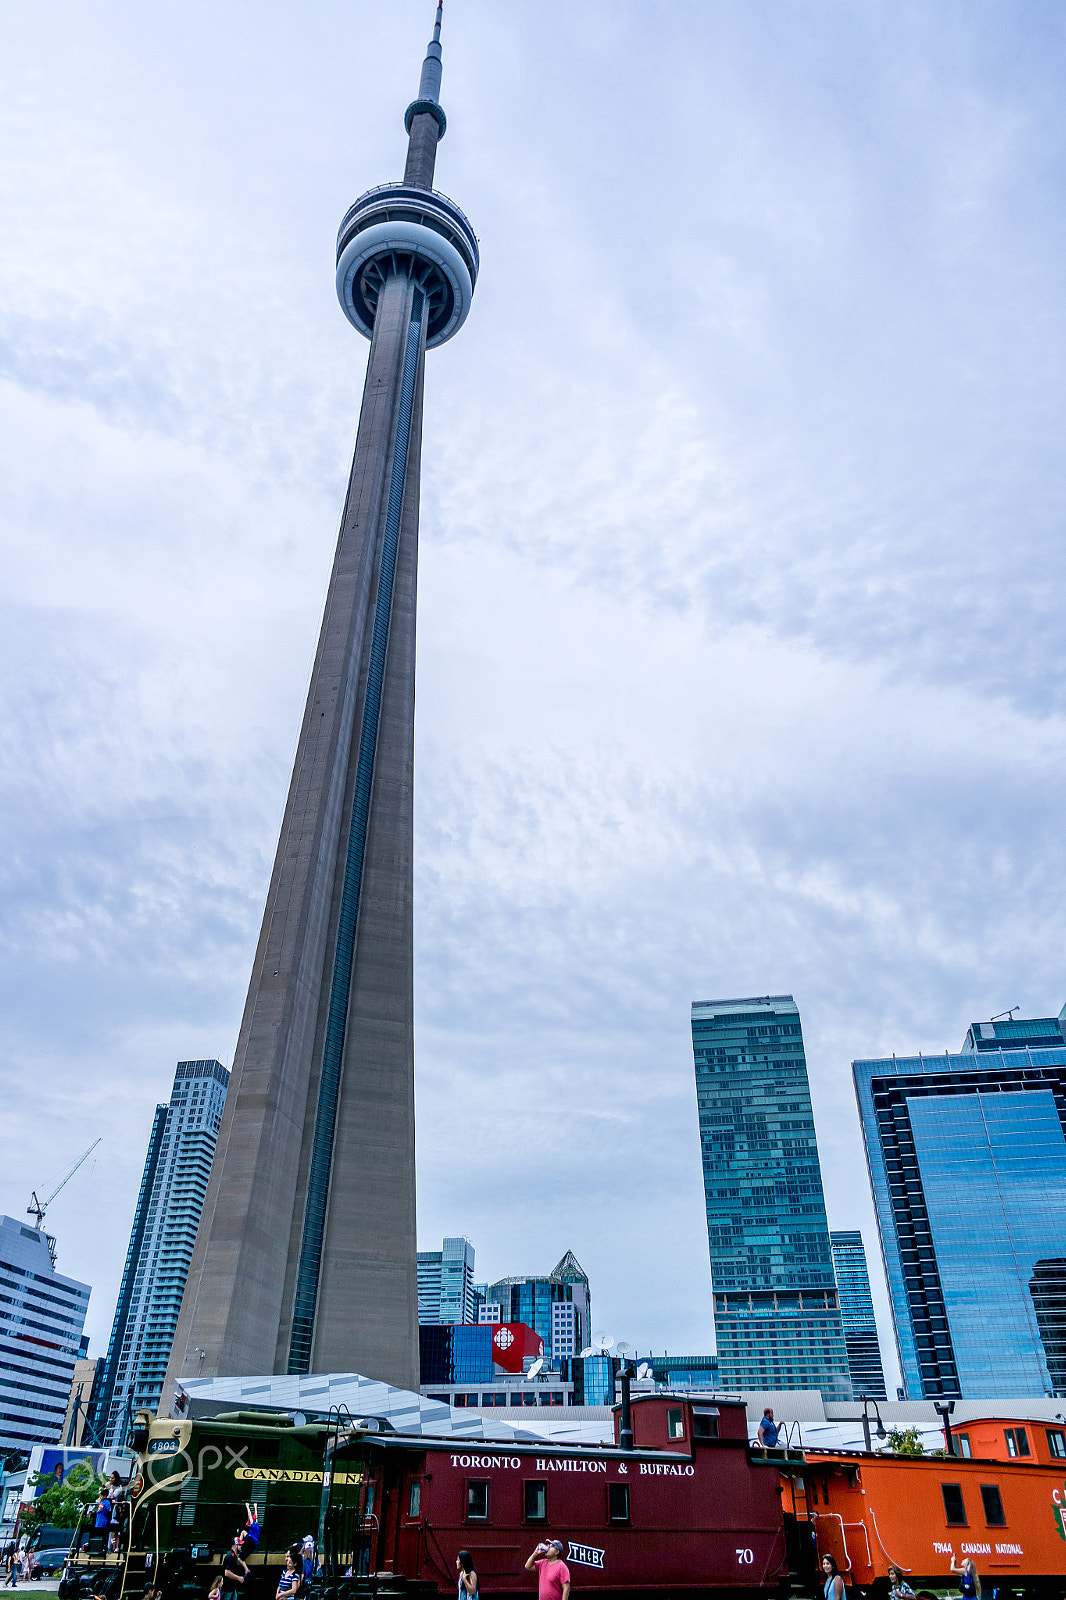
536 1501
954 1510
618 1502
704 1423
962 1444
993 1504
1056 1442
477 1499
1017 1441
416 1498
675 1423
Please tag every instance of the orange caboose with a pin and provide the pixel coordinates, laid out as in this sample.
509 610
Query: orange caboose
1001 1501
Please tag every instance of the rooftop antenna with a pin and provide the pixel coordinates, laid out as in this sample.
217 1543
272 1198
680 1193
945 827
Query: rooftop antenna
1009 1015
37 1208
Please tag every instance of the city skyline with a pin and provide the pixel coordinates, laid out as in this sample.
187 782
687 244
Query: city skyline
717 604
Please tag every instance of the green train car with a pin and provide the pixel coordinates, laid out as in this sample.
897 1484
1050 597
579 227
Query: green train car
187 1502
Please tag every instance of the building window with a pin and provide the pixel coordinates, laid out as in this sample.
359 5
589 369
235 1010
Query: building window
962 1444
536 1501
618 1502
414 1505
704 1423
954 1510
1056 1442
993 1504
1017 1441
675 1423
477 1500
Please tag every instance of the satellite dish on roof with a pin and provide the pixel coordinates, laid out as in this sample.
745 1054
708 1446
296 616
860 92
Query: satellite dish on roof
644 1371
538 1366
588 1351
624 1348
603 1342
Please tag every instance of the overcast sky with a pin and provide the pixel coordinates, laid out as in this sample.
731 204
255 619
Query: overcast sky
741 657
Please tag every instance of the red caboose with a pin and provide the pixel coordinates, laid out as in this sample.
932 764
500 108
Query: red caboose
689 1508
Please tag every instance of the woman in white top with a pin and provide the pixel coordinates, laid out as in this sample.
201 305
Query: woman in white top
468 1583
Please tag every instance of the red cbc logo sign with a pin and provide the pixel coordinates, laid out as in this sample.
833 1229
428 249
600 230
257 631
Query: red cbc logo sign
504 1339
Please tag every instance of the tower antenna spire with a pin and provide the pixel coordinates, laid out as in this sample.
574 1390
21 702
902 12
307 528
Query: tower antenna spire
424 118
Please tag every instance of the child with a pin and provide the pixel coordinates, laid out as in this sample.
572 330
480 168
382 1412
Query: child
216 1589
250 1541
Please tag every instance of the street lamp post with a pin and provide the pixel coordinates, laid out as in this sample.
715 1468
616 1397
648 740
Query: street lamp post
866 1404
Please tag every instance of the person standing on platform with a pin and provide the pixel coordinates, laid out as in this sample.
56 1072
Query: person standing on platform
468 1579
768 1431
553 1574
234 1572
969 1582
834 1583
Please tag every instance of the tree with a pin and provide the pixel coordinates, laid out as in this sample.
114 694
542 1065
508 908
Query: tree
905 1442
64 1504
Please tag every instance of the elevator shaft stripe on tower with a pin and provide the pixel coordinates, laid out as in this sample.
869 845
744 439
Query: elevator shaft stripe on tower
307 1276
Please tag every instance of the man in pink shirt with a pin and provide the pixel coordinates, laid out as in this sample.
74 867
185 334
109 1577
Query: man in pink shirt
553 1574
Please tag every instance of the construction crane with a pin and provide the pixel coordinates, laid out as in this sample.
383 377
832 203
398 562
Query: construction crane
37 1208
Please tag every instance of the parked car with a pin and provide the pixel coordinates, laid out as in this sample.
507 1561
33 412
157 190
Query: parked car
46 1563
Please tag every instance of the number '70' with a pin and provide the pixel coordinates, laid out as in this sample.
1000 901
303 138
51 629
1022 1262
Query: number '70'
745 1558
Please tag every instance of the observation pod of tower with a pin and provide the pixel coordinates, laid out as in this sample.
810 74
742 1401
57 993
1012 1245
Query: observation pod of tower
305 1260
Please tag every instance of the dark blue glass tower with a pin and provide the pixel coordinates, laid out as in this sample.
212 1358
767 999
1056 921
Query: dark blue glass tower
967 1158
776 1313
857 1314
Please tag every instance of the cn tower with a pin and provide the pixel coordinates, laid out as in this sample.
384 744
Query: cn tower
305 1260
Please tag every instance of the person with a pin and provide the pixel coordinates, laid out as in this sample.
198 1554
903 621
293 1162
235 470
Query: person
901 1589
969 1582
553 1574
292 1575
834 1583
468 1580
12 1579
768 1431
250 1540
308 1554
215 1591
234 1571
103 1511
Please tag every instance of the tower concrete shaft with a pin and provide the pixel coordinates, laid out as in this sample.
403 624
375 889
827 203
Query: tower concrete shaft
305 1259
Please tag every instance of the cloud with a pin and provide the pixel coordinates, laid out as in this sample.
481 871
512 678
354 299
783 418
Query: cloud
740 631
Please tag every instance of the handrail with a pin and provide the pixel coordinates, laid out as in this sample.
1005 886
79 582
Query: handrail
881 1542
835 1515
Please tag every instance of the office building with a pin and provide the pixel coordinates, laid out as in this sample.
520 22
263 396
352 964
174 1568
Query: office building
446 1283
776 1313
306 1259
556 1305
41 1318
169 1202
680 1372
857 1314
967 1158
77 1426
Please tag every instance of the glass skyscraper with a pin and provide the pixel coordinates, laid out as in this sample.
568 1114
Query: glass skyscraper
857 1314
776 1311
41 1317
967 1158
556 1306
169 1202
446 1283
